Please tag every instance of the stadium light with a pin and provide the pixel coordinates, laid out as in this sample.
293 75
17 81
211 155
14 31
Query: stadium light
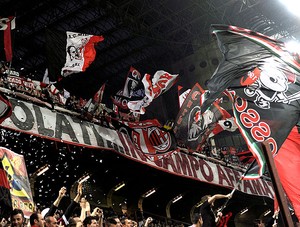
83 178
177 198
199 204
150 192
119 186
293 46
42 170
267 212
292 5
244 211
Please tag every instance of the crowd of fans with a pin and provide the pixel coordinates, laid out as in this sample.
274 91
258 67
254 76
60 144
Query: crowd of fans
86 217
80 213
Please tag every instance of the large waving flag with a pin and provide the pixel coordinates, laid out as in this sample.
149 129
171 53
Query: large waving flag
133 90
264 81
6 25
160 83
191 128
70 52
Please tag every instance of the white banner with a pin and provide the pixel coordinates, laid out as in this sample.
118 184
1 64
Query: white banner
35 120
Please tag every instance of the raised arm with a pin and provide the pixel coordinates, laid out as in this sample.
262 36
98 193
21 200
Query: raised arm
61 194
73 204
79 193
54 206
98 212
213 198
148 221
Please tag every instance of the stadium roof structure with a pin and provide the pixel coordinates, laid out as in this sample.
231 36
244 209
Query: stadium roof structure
149 35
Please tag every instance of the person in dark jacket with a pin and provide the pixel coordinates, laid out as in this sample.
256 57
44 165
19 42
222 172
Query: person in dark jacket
206 209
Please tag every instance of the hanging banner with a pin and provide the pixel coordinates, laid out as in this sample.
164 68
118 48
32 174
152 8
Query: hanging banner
16 173
35 120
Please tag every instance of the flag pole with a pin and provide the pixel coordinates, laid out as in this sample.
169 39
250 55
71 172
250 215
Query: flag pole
236 185
279 193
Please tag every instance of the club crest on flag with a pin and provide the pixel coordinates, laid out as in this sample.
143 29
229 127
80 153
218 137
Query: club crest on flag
148 136
161 140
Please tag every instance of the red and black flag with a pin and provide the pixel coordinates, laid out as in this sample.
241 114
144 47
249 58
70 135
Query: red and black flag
263 80
121 101
191 127
7 24
69 52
